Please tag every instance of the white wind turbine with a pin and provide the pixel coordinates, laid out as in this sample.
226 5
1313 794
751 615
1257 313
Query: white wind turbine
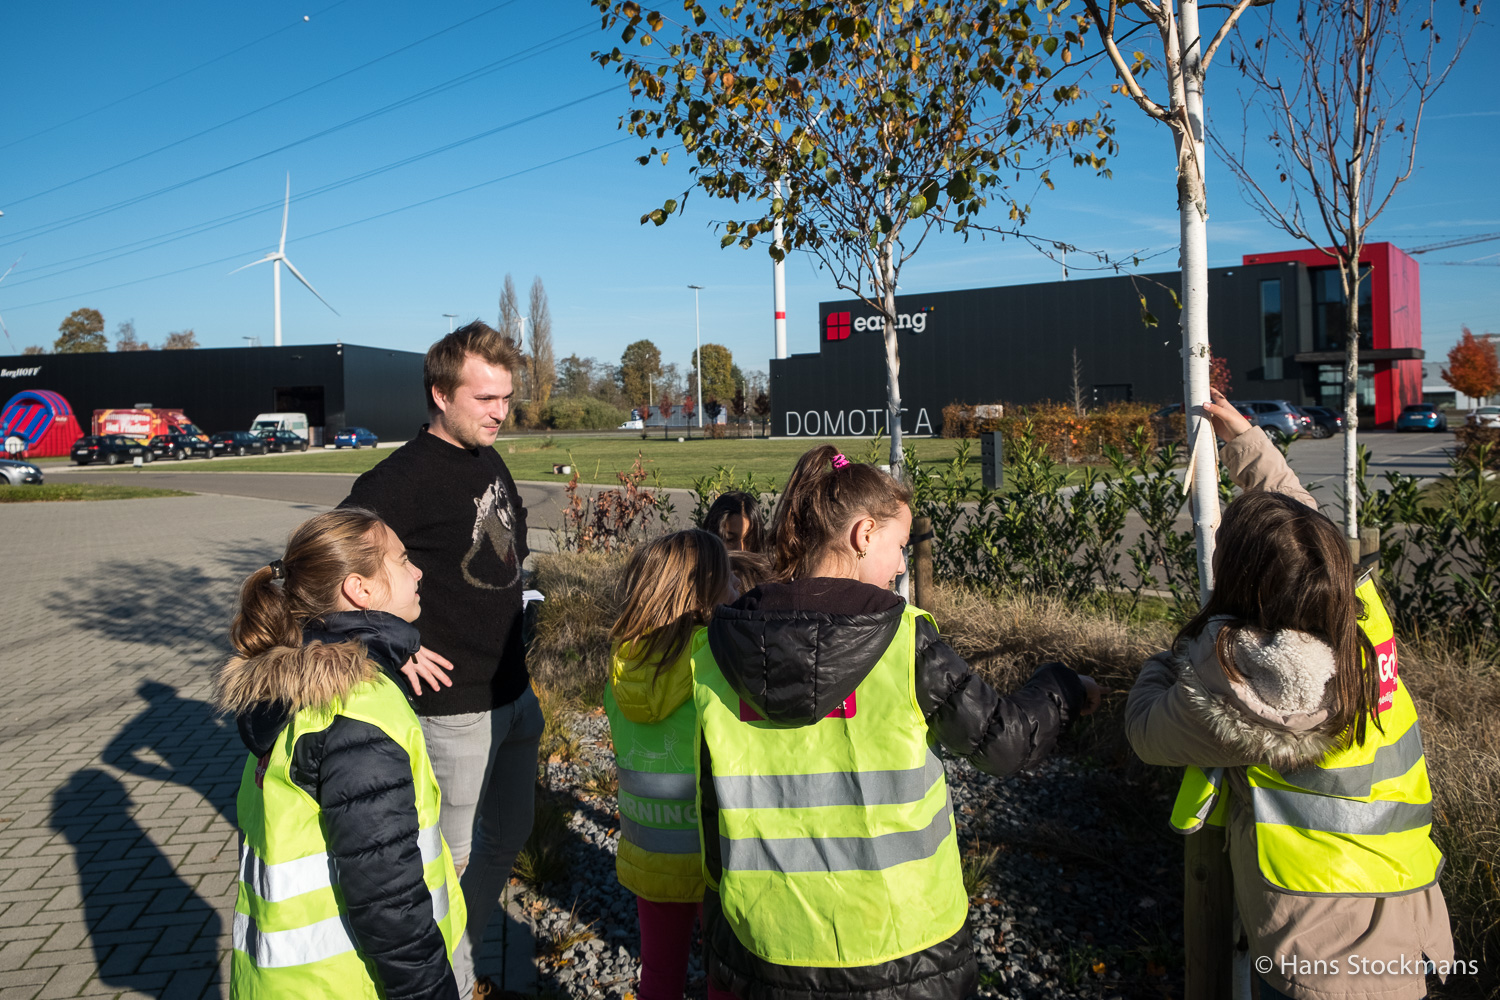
278 257
2 318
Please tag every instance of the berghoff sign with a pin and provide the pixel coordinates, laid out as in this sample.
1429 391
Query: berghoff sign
19 372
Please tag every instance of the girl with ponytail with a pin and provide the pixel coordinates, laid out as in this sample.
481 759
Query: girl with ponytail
346 886
828 838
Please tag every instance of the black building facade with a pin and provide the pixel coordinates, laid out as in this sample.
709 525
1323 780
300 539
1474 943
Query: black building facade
336 385
1015 345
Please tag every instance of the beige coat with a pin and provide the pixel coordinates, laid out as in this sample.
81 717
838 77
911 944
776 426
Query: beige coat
1184 710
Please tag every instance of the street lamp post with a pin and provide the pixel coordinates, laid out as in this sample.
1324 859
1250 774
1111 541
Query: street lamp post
451 317
698 336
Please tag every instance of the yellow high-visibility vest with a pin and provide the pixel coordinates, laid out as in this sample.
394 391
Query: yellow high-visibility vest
291 936
836 839
1356 823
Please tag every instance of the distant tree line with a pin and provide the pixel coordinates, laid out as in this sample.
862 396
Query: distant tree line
82 332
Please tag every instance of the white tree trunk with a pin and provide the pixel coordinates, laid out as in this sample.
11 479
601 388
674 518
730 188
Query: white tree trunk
1351 414
1192 210
892 363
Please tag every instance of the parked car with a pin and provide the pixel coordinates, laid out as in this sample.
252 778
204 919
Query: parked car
1421 417
296 422
111 449
237 443
1325 422
1278 417
633 424
180 446
14 472
284 441
355 437
1485 416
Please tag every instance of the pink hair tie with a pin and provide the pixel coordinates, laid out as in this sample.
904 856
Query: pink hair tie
839 461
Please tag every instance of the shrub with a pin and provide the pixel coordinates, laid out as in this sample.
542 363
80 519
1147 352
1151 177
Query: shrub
613 520
1470 438
579 413
1065 436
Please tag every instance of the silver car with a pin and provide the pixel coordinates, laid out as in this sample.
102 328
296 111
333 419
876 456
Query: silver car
14 472
1280 419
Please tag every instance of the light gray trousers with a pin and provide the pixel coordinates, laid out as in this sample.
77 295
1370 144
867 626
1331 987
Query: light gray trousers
485 763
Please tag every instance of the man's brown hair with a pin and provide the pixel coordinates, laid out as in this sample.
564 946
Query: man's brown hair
444 368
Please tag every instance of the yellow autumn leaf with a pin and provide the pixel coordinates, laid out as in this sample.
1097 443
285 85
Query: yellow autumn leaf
1098 968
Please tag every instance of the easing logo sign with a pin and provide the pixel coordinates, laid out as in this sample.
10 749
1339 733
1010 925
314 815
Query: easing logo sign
839 325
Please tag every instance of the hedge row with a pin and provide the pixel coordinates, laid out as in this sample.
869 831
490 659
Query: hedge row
1067 436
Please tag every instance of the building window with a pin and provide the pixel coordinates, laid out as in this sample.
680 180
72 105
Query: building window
1271 349
1331 388
1328 309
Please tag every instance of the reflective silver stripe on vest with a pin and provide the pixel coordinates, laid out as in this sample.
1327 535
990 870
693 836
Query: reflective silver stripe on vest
657 840
829 788
1390 761
1330 815
430 843
279 882
646 785
286 879
297 946
440 902
836 854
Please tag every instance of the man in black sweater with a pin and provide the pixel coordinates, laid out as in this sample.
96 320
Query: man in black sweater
450 499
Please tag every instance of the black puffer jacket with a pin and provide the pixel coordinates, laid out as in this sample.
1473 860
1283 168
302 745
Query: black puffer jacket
362 782
794 652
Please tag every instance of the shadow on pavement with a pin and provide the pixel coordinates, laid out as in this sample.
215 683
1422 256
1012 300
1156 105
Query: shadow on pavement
181 740
150 931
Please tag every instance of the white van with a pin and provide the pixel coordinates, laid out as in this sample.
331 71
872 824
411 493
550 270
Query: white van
294 422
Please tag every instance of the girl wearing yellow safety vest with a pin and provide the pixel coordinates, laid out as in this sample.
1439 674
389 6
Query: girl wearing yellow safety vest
1284 697
672 586
829 846
346 888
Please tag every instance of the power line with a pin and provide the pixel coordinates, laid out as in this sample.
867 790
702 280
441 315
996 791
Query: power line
162 83
194 230
371 218
522 55
264 107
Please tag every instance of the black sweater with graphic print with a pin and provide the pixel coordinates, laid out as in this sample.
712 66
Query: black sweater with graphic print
458 513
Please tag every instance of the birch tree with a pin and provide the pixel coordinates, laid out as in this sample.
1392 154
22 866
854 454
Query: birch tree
1343 126
878 122
1183 67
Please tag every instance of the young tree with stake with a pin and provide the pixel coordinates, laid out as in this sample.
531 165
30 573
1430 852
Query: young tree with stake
1184 66
879 121
1343 133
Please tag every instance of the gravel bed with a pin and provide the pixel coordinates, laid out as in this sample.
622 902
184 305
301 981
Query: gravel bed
1075 901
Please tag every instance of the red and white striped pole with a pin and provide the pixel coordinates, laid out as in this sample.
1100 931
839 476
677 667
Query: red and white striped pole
779 267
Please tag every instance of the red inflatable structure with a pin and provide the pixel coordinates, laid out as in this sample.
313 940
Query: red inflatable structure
43 420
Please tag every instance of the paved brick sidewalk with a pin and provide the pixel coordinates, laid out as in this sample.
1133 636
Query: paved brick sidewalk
117 783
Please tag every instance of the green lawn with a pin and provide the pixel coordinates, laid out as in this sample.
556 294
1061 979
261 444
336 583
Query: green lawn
81 491
598 459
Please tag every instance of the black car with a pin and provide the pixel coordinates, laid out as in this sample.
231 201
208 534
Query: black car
1326 422
237 443
180 446
284 441
111 449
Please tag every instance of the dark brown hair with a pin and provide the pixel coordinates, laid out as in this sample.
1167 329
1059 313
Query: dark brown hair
1282 565
746 506
821 502
672 585
320 555
443 368
751 569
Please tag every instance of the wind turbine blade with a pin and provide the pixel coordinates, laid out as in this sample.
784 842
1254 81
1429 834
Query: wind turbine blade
310 288
269 256
10 269
12 343
285 209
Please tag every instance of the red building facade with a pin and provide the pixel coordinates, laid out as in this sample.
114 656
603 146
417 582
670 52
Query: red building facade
1390 329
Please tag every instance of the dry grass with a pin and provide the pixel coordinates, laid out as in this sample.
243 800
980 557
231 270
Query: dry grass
570 654
1457 693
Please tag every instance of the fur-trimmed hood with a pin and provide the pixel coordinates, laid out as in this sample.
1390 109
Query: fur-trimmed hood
264 691
1275 710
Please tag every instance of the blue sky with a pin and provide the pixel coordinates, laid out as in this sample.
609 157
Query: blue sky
556 193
